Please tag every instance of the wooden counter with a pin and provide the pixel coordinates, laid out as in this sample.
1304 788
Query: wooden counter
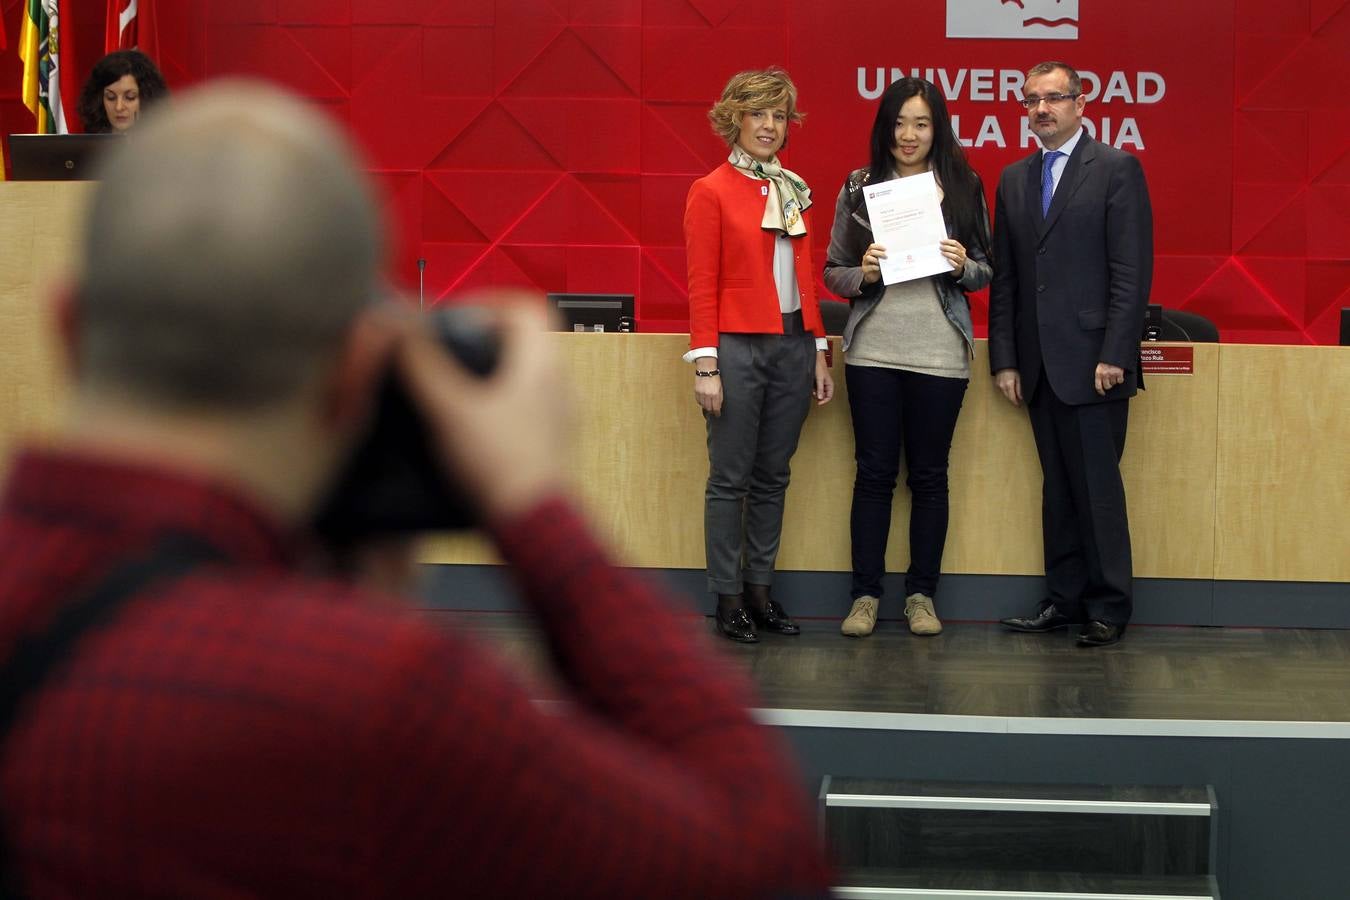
1200 506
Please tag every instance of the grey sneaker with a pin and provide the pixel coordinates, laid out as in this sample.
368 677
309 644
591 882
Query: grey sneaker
862 618
919 611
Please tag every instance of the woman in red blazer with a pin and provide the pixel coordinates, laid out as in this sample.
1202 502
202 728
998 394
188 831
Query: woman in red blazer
756 342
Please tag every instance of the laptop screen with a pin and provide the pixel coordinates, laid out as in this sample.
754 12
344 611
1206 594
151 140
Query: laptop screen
57 157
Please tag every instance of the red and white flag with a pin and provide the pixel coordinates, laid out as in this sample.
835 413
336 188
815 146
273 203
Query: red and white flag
131 26
120 31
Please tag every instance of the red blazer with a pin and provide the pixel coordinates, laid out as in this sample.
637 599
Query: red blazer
730 257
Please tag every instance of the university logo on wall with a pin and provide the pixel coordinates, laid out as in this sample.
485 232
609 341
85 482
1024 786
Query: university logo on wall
1055 20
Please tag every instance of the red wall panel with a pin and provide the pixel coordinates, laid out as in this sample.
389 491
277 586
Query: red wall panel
550 143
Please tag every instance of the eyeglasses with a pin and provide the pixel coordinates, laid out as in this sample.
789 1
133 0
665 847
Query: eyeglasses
1033 102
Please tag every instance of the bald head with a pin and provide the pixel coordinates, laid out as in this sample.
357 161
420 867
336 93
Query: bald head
231 243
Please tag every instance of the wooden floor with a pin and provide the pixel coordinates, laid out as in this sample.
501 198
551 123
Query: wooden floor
1277 675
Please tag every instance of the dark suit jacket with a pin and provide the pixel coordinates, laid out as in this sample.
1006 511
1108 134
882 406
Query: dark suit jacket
1070 290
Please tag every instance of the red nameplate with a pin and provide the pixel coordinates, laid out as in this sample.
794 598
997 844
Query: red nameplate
1163 360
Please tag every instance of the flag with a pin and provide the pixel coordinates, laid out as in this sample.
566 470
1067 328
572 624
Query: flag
131 25
40 50
70 79
4 42
32 43
119 32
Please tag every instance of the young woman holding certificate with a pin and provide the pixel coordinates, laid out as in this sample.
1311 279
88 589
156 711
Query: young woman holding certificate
756 341
907 347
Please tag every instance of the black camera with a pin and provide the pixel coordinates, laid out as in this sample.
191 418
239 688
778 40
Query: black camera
393 483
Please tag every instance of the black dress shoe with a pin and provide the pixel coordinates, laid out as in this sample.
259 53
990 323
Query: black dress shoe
773 618
1099 634
1048 619
735 623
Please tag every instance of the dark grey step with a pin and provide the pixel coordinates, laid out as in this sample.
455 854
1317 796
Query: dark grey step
1011 841
1048 798
1093 830
910 884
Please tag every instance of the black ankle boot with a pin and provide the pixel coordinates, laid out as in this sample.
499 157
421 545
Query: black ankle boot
733 621
766 612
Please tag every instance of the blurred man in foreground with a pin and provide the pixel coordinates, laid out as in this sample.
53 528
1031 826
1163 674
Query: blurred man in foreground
185 712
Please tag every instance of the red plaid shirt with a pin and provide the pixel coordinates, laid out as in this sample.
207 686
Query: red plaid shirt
251 730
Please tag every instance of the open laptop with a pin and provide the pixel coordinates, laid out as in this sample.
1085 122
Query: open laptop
57 157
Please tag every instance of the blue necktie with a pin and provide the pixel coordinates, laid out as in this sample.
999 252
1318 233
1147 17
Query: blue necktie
1048 180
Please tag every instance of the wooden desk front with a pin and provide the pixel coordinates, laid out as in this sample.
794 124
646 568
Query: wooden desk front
1238 471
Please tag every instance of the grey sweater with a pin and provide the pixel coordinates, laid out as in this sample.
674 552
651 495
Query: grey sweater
908 330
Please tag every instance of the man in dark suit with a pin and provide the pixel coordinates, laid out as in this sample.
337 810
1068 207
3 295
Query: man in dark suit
1073 262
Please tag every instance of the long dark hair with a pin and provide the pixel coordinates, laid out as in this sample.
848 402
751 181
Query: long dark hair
962 193
109 69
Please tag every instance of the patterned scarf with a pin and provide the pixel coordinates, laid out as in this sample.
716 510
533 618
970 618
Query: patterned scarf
789 199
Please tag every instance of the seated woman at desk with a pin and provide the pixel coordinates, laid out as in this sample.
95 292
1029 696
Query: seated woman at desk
122 85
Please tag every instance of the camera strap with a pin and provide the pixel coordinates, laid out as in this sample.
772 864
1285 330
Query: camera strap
38 658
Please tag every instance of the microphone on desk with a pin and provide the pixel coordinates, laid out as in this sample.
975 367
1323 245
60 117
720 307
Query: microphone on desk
421 268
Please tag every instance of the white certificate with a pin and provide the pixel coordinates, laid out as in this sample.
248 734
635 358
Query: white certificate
906 218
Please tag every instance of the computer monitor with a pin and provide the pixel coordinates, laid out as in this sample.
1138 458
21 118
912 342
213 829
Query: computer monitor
58 157
594 312
1153 322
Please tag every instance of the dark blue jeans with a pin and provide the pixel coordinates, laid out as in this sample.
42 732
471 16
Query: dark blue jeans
894 411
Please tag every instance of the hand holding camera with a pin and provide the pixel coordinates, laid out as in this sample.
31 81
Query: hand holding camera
467 428
501 434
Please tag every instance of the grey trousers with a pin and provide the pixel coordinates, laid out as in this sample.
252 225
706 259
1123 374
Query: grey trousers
766 382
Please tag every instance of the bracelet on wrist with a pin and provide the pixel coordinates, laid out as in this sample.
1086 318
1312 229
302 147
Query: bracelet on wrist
708 374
